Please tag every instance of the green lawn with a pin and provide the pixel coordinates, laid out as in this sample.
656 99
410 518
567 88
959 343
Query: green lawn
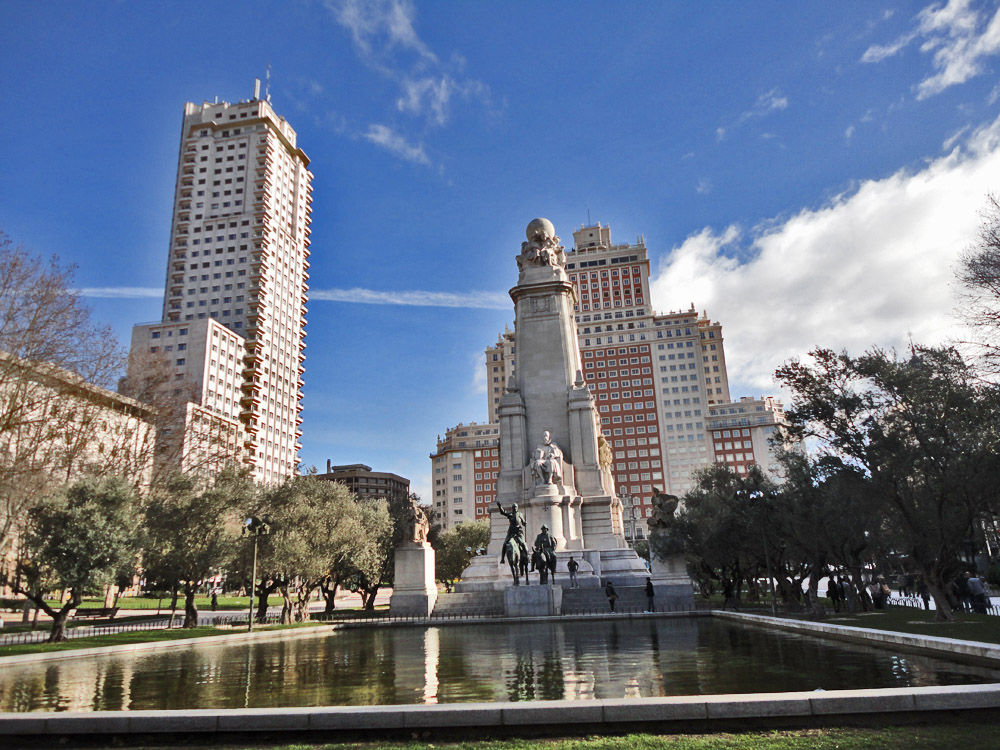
967 627
923 737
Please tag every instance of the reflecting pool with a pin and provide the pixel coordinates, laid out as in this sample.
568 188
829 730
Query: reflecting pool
601 659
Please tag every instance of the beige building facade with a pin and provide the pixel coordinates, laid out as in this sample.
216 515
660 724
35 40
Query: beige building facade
464 472
747 433
238 258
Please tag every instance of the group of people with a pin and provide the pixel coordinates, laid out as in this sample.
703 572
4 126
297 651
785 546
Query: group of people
965 592
969 593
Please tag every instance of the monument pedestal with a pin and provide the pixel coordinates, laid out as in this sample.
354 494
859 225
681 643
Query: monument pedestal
414 592
671 580
532 601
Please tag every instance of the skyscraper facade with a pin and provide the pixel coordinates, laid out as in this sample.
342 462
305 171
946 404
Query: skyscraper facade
239 249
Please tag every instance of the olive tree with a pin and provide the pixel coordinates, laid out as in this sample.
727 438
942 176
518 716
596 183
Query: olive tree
922 430
79 540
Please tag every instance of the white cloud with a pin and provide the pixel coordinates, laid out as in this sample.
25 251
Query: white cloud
394 143
959 35
121 292
772 101
849 132
873 267
385 36
379 26
704 186
481 300
768 102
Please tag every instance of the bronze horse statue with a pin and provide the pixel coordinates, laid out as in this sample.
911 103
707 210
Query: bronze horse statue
518 562
544 562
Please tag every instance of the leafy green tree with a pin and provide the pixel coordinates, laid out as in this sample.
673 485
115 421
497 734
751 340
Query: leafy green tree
711 527
78 540
193 532
978 272
372 566
317 527
922 430
455 548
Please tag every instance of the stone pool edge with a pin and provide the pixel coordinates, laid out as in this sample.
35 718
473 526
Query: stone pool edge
977 651
697 713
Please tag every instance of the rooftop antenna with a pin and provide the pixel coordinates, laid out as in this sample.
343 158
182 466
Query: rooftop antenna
588 215
267 83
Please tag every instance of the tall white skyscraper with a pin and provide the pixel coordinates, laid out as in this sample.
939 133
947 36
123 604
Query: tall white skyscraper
239 249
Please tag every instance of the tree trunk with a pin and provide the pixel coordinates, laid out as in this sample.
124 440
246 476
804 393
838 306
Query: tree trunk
286 605
943 612
173 606
60 617
329 597
305 595
190 610
263 592
368 595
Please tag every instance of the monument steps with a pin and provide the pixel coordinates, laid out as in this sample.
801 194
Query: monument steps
578 601
469 603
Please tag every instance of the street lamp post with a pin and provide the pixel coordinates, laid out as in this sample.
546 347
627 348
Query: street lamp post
255 527
754 497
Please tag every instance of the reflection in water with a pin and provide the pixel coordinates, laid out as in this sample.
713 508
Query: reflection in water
463 663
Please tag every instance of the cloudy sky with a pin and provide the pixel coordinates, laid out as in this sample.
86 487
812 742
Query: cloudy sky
806 174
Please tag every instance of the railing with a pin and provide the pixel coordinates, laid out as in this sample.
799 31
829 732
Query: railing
87 631
916 602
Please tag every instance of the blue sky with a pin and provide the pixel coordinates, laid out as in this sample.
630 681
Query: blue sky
806 173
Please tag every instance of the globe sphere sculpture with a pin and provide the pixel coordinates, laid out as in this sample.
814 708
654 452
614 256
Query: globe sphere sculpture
540 230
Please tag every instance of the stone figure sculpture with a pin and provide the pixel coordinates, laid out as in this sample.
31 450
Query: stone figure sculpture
661 522
542 247
417 524
546 462
604 460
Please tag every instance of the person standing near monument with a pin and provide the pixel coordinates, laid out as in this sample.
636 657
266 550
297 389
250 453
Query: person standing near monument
650 607
609 591
572 566
515 532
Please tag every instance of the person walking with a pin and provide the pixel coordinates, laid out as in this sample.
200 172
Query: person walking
649 595
923 592
977 594
572 566
609 591
727 595
833 593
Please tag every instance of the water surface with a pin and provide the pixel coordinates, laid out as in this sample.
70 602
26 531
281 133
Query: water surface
602 659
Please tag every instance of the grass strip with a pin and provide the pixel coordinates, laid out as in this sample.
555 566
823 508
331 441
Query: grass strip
967 626
909 737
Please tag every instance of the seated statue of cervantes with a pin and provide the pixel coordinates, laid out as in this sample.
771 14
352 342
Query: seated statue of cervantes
546 462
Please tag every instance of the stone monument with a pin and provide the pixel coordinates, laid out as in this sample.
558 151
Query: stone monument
552 461
414 591
669 570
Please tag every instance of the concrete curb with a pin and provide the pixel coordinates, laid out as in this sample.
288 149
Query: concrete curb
318 629
836 706
976 651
